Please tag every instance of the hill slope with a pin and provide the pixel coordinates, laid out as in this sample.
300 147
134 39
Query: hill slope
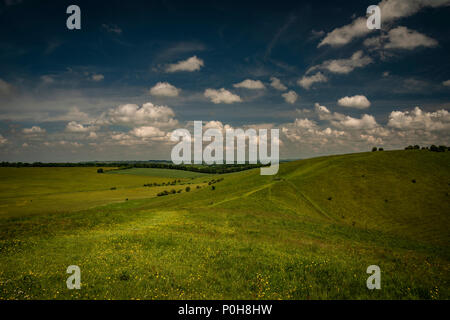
309 232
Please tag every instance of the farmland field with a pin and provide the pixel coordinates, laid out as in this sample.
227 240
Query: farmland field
310 232
154 172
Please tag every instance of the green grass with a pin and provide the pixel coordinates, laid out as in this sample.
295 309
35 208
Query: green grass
155 172
254 237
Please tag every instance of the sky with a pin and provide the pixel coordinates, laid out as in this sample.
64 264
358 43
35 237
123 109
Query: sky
137 70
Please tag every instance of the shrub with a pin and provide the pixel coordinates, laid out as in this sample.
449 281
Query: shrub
434 148
100 170
417 147
163 193
213 188
198 187
374 149
173 191
113 188
179 191
188 189
380 149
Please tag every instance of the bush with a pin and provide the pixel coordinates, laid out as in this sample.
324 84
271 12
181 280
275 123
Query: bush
163 193
113 188
173 191
380 149
100 170
374 149
188 189
434 148
213 188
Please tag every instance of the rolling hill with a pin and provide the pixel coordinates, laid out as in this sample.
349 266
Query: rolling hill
310 232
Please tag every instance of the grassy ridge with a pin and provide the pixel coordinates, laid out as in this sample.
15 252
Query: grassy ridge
308 233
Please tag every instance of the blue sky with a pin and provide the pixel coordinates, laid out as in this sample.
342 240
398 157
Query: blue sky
139 69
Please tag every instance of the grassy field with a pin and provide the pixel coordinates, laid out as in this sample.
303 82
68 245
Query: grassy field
308 233
154 172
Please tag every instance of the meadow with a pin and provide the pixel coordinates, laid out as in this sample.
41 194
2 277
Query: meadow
310 232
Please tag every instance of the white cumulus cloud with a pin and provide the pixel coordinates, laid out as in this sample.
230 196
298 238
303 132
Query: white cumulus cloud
250 84
307 81
391 10
276 83
164 89
358 102
420 120
191 64
343 66
34 130
221 96
148 114
290 97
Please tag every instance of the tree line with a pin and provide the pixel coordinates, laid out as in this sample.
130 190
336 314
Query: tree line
216 168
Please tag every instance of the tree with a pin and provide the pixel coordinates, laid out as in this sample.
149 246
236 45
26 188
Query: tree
374 149
100 170
188 189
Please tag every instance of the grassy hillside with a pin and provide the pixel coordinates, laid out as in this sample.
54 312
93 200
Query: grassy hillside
308 233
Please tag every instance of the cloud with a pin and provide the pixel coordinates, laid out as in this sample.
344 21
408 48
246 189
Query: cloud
391 10
147 132
325 114
148 114
6 89
366 122
97 77
345 34
164 89
420 120
307 81
290 97
446 83
33 130
191 64
401 38
3 140
74 114
221 96
250 84
112 28
343 66
73 126
92 135
276 83
358 102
